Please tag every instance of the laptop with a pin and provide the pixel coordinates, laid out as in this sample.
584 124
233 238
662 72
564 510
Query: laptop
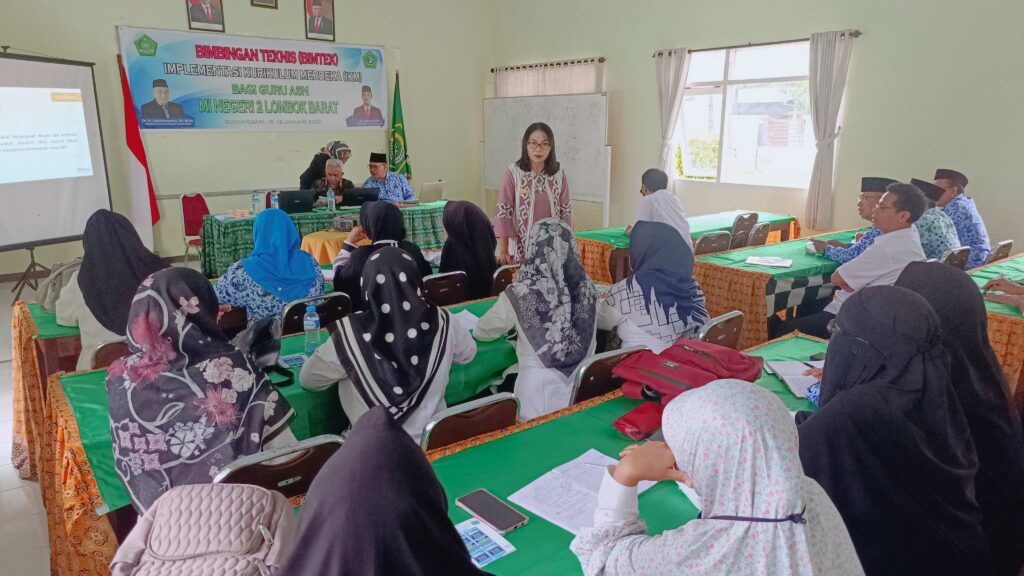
296 201
359 196
431 191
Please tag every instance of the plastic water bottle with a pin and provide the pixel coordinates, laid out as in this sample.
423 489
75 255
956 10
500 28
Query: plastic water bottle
255 202
311 326
331 199
274 202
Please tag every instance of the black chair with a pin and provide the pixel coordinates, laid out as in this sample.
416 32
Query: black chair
712 242
742 226
289 470
759 234
105 354
503 277
458 423
594 377
957 257
329 307
446 289
723 330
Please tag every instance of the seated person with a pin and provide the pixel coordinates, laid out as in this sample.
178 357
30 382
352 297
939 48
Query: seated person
871 190
317 167
736 446
556 313
276 273
394 187
660 299
881 264
470 246
1012 292
657 204
376 507
938 235
382 224
333 180
970 228
889 442
185 402
98 296
397 353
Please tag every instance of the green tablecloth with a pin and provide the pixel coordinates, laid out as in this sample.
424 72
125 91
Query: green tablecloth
46 324
228 241
505 465
804 264
698 225
492 359
1012 268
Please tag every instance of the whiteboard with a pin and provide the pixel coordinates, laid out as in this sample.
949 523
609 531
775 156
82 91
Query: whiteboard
580 124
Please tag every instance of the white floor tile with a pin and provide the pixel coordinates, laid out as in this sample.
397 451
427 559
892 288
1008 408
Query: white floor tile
21 535
30 563
19 503
9 478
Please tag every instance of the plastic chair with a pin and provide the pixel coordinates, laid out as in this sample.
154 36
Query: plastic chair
289 470
1001 251
193 210
759 235
723 330
471 419
106 353
712 242
594 377
329 307
502 278
957 257
446 289
741 228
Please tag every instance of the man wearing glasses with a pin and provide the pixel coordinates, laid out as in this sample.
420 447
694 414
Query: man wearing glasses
393 186
880 264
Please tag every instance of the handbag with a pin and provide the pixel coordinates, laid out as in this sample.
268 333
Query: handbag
49 290
261 342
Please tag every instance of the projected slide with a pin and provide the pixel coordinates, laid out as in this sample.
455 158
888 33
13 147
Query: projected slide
43 135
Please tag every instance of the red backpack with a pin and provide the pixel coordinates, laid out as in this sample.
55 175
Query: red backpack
658 378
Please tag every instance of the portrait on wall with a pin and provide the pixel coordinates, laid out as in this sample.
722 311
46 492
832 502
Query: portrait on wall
264 3
205 15
320 20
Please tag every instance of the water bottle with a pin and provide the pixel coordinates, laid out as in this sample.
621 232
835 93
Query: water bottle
311 326
330 199
274 203
255 202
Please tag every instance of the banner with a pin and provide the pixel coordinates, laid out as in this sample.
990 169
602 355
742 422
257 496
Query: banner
190 81
399 146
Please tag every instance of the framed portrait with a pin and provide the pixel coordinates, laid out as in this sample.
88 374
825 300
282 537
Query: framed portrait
319 19
264 3
205 15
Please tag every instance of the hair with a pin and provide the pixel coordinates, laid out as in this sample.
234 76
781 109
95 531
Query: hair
908 199
336 163
366 89
551 164
654 180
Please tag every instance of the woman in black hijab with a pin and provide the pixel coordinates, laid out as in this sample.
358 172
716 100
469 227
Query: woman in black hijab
981 388
470 246
376 507
889 442
383 225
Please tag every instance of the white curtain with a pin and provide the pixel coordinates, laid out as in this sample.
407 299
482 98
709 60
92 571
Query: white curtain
671 66
575 77
830 60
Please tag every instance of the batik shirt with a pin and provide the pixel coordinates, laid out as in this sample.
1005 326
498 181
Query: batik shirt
969 228
938 235
844 255
393 188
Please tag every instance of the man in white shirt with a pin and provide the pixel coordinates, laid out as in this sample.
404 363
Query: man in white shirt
881 264
660 205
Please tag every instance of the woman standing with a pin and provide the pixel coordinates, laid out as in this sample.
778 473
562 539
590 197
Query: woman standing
534 188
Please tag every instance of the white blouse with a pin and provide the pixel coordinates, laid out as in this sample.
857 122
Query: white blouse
72 311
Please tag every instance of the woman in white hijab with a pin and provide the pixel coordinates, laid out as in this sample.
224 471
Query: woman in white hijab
735 445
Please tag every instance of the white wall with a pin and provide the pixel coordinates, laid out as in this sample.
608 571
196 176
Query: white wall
442 48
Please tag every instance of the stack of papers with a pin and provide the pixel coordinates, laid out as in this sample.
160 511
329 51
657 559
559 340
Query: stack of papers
792 374
567 496
773 261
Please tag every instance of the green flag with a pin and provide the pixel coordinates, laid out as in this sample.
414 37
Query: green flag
399 157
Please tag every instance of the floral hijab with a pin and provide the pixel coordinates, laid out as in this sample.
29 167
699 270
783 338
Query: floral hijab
555 302
184 402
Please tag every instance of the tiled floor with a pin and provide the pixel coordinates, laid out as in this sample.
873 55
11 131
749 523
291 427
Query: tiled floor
24 550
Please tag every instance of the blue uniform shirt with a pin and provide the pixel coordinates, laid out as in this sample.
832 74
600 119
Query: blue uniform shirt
969 228
393 188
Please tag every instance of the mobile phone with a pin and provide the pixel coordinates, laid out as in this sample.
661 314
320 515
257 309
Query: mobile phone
818 357
490 510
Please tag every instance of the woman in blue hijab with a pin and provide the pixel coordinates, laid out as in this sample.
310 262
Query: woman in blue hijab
275 274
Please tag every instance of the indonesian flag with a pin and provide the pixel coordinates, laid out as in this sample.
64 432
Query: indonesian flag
144 211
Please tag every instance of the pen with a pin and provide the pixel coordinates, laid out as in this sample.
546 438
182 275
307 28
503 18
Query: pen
809 365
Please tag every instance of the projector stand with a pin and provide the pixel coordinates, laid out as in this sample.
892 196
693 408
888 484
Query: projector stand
28 276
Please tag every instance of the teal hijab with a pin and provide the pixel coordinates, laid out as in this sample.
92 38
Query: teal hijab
276 263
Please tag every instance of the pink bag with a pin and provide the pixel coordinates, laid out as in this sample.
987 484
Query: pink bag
223 529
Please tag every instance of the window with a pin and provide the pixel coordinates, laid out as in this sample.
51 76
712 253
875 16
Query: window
746 117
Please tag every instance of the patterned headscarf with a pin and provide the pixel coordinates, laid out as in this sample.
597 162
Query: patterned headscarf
185 402
554 300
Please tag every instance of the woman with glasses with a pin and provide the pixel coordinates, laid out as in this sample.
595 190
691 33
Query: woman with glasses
534 188
890 444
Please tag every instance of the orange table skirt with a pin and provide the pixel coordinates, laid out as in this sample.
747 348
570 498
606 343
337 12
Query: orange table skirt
324 245
1006 333
29 404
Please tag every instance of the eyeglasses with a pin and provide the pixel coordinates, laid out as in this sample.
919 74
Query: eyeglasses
884 207
834 329
538 145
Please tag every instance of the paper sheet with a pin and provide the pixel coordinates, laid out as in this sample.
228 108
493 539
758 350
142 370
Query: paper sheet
328 274
772 261
691 494
466 319
433 257
567 495
791 373
484 544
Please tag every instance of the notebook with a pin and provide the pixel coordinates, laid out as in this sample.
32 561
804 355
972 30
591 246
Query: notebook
792 374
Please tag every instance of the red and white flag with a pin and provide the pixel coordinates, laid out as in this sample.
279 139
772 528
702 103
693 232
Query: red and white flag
144 211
